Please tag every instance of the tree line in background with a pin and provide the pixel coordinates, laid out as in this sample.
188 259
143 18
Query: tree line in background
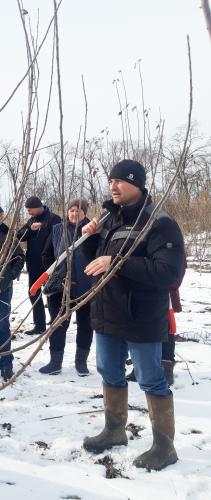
189 203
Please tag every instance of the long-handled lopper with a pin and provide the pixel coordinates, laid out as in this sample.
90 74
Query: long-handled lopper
46 275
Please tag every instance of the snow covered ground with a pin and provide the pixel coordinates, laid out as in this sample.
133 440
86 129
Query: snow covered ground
43 420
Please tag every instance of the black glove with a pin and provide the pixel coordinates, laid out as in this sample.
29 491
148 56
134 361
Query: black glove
55 284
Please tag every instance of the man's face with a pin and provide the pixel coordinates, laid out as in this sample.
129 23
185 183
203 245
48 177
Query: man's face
35 211
75 215
124 193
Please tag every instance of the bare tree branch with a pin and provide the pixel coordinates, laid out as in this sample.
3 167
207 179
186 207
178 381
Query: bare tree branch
207 14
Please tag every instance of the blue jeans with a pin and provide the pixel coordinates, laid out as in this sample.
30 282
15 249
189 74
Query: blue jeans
112 353
5 308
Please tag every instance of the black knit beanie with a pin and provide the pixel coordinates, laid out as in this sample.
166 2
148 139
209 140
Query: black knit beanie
130 171
33 202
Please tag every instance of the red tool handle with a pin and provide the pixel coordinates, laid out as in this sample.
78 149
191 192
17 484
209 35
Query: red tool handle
172 322
37 284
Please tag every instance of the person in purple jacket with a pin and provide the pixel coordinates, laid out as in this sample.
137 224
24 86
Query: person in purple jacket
168 348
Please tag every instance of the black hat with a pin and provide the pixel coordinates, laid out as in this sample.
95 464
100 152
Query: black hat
1 210
130 171
77 202
33 202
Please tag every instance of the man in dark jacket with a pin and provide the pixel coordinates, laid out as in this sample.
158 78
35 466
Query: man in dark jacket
35 232
131 311
80 283
10 272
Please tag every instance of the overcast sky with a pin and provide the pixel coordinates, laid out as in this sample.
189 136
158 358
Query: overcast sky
97 39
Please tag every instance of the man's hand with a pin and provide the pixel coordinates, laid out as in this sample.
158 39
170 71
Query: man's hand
98 266
36 226
90 228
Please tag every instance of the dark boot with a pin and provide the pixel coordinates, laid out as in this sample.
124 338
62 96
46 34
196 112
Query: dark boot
81 356
55 365
34 331
162 452
116 409
168 366
7 372
131 376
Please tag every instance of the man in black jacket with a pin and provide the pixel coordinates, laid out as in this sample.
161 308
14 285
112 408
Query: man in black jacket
10 272
131 311
35 232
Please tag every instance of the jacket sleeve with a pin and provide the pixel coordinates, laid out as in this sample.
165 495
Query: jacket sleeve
13 268
178 283
4 228
89 247
174 290
25 232
55 219
48 253
162 263
17 261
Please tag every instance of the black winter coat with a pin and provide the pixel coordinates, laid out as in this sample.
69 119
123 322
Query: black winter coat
80 282
16 263
134 304
36 240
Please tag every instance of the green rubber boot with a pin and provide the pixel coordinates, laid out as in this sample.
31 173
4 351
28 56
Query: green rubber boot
116 410
162 452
